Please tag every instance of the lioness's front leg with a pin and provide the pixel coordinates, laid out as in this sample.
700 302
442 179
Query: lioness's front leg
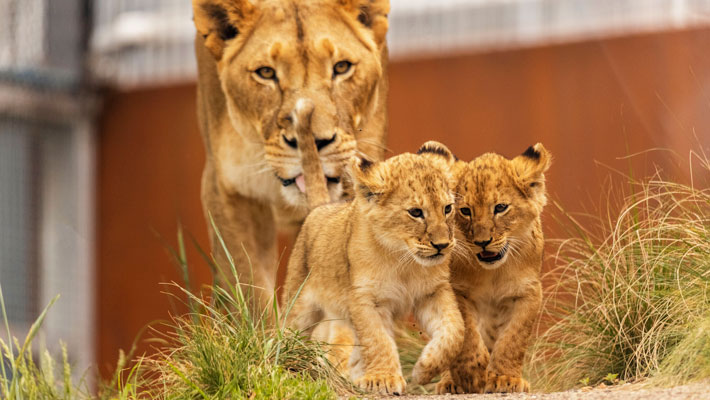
468 370
373 327
504 372
248 230
440 317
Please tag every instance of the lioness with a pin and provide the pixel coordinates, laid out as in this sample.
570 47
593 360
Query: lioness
385 254
257 62
498 287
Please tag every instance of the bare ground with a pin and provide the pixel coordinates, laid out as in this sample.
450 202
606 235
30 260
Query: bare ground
625 392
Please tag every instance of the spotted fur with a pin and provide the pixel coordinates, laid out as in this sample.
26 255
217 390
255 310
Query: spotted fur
371 261
499 298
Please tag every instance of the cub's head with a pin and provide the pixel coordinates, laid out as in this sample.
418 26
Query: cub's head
408 203
499 200
272 55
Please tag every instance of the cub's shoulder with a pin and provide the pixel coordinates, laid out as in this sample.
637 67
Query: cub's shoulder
327 216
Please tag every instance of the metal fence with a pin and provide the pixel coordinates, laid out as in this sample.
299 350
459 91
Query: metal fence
45 172
137 43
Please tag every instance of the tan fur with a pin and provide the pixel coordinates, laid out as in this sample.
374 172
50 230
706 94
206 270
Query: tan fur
499 301
247 122
369 262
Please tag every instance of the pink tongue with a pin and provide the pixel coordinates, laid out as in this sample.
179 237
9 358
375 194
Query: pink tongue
301 183
487 254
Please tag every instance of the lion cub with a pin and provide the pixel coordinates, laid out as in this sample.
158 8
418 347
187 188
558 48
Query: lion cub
380 257
498 286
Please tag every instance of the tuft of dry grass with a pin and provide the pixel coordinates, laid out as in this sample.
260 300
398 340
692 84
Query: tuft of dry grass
634 301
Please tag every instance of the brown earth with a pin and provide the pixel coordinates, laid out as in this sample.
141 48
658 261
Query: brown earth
624 392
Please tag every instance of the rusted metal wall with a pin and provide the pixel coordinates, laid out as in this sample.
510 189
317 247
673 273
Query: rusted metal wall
589 103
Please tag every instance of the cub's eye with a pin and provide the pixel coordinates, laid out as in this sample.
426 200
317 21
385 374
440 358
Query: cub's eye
416 212
266 73
465 211
447 209
341 67
500 208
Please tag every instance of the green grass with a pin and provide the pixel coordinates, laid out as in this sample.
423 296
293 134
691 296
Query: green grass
220 349
631 298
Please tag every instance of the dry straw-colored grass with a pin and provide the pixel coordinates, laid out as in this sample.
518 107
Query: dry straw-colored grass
632 301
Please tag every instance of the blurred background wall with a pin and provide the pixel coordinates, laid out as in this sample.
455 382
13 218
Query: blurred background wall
100 157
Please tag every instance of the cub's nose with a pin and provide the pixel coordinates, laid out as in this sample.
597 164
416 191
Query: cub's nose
440 246
483 244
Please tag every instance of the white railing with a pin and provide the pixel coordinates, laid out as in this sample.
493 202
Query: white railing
22 33
141 42
46 182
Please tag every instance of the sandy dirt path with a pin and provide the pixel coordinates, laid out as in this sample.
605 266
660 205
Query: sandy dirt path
627 392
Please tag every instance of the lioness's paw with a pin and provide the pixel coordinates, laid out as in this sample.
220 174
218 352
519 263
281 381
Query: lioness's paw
382 383
496 383
447 385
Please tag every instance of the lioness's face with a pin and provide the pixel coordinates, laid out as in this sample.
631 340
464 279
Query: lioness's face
280 53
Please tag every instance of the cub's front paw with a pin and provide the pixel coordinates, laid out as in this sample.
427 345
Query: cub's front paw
471 378
424 372
497 383
382 383
447 385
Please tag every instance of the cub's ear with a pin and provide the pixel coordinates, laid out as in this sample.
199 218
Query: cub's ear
371 14
530 168
219 21
368 178
436 150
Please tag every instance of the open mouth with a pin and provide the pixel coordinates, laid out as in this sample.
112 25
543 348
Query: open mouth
491 257
300 181
434 256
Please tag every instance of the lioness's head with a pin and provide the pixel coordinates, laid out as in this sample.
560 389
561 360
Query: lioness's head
272 55
408 204
499 199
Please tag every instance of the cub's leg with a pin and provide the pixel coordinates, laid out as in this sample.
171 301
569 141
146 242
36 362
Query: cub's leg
468 370
340 339
504 372
303 315
440 317
377 351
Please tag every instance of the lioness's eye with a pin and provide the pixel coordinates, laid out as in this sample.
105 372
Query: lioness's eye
447 209
341 67
416 212
500 208
465 211
266 73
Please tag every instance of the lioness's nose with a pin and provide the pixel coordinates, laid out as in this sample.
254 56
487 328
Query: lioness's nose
320 143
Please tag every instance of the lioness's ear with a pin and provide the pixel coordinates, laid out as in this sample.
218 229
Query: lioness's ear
530 168
370 13
221 20
368 178
436 150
